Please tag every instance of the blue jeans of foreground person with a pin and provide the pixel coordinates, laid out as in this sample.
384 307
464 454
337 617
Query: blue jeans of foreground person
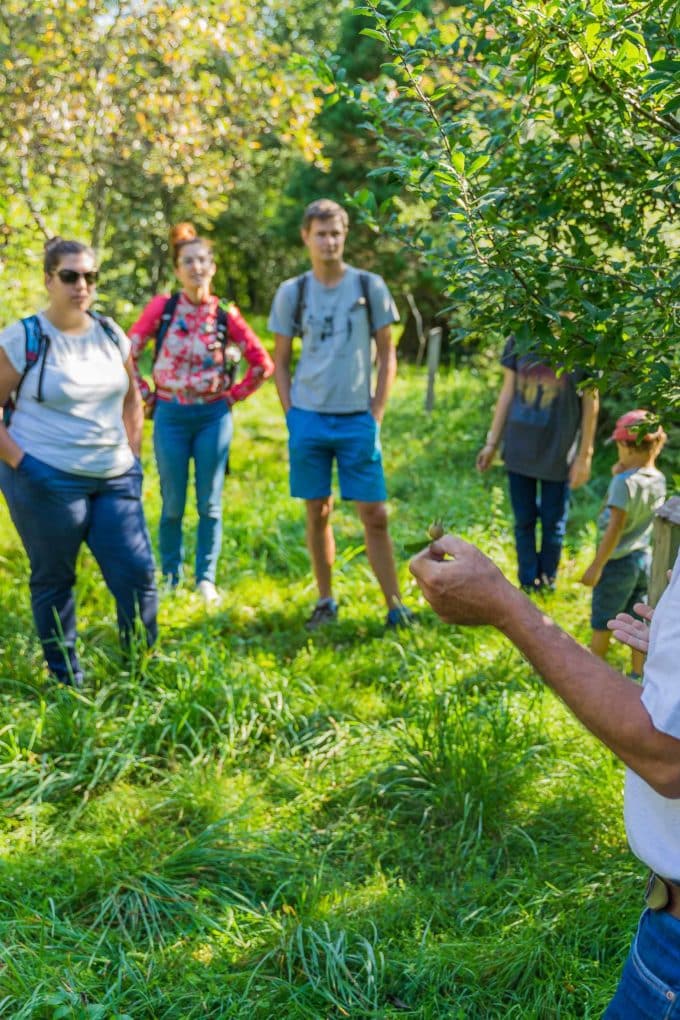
54 512
536 564
650 984
182 432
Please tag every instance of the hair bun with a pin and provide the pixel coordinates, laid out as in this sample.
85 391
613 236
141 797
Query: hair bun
181 233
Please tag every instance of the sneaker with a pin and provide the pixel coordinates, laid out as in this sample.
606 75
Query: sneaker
399 616
208 592
325 611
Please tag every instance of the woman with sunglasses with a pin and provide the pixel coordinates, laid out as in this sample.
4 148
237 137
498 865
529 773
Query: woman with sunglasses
69 460
192 400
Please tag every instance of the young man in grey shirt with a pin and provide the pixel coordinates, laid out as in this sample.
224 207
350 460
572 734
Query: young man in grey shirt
331 412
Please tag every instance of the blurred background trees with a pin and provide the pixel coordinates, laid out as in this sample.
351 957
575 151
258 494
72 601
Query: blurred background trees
513 167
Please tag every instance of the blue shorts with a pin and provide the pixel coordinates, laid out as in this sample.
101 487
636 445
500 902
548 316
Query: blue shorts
623 583
315 439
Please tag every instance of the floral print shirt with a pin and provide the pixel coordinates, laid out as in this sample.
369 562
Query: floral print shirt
190 367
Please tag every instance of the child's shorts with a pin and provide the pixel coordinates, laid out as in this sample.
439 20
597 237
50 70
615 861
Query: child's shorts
623 583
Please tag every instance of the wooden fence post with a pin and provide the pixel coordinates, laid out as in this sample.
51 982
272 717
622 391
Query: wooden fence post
434 349
666 545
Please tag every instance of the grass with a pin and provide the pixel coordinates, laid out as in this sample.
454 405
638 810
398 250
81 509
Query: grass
257 822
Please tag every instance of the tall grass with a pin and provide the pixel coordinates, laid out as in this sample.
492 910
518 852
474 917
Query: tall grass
259 822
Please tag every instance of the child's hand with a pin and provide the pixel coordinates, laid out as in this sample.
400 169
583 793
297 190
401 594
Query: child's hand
632 632
591 576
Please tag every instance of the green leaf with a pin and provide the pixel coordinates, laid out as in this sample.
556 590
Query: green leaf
478 163
672 106
458 162
667 65
373 34
404 18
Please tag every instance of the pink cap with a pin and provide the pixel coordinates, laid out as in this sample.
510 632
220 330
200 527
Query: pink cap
623 433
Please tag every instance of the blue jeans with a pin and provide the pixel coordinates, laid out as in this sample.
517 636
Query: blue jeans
650 984
183 431
54 513
534 563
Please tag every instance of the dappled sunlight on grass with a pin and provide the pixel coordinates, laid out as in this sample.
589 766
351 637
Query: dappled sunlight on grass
257 821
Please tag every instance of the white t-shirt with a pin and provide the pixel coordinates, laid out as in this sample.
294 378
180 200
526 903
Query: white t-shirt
653 821
78 425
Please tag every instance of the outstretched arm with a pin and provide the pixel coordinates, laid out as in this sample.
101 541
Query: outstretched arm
468 588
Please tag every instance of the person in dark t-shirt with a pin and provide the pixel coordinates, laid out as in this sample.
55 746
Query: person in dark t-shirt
547 426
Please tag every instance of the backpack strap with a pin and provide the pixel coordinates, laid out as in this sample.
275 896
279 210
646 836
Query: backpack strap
365 284
223 334
299 307
164 324
222 326
36 342
301 294
107 325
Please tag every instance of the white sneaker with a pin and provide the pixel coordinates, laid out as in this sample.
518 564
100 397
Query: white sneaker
208 592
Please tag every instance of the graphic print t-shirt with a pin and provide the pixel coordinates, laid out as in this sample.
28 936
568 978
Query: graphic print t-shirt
541 431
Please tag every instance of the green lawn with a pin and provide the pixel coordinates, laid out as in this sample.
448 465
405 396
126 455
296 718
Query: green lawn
260 823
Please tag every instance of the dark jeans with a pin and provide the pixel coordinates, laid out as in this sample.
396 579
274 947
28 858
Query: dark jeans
552 506
54 513
182 432
650 984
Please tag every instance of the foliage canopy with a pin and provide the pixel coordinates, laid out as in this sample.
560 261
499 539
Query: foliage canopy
537 149
141 113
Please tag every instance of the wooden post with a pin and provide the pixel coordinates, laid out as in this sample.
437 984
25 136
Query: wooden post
666 545
420 332
434 349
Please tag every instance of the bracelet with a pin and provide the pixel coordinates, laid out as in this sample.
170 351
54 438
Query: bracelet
490 441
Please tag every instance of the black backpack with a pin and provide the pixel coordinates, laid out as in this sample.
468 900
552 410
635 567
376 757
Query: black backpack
301 295
37 343
222 332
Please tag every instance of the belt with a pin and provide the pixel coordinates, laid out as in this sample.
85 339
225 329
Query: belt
662 894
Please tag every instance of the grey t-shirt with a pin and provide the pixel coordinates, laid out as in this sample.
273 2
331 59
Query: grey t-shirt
78 425
539 439
333 374
639 491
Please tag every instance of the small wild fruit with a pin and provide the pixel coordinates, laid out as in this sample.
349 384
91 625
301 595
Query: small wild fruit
435 530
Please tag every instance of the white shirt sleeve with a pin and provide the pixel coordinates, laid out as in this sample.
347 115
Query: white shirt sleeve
661 693
13 342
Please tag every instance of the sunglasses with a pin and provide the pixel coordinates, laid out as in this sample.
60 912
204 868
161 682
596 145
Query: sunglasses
72 276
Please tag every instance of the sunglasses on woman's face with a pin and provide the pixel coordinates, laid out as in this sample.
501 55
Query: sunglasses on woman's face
72 276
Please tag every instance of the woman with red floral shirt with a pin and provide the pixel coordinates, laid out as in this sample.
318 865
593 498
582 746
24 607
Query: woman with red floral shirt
192 401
